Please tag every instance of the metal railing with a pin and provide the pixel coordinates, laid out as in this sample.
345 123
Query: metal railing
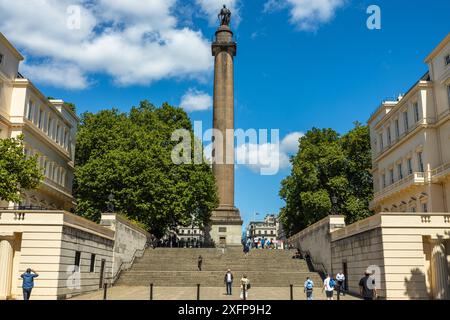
138 253
416 177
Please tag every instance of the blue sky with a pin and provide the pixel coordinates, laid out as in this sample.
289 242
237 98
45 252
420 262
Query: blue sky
299 64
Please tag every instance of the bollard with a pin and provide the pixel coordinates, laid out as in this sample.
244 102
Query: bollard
292 292
105 289
151 291
198 291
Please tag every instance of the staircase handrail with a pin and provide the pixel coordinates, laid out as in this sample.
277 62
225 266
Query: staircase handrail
317 266
138 253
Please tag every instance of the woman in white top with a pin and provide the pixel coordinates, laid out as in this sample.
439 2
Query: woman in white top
245 285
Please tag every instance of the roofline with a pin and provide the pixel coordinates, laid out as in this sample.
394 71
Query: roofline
438 48
395 103
10 46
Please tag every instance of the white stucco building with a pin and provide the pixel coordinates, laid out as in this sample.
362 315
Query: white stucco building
410 140
48 126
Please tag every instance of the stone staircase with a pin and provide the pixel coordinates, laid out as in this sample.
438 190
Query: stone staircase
174 267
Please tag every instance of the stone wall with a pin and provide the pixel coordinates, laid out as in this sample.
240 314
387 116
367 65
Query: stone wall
408 252
130 241
358 252
48 242
317 242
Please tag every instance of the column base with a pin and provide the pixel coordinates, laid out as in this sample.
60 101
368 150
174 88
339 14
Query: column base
225 229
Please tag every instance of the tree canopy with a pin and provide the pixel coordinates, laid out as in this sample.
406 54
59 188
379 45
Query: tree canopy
17 171
129 156
328 165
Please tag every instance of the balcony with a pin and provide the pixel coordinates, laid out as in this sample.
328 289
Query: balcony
440 173
417 178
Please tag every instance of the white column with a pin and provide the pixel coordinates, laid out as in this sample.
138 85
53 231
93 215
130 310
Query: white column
439 271
6 266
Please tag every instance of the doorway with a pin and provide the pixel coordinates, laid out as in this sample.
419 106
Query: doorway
102 273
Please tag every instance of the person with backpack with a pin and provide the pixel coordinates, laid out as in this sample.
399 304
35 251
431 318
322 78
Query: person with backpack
328 286
308 288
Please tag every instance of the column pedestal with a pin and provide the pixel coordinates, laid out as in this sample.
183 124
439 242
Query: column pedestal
439 271
6 266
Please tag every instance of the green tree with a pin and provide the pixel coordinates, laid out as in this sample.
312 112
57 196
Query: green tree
129 156
17 171
326 166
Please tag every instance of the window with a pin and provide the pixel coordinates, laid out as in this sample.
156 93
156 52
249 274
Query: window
389 137
400 171
30 110
397 129
1 58
381 142
40 118
92 267
49 126
406 121
77 259
57 133
391 176
410 170
383 179
413 209
448 93
420 161
416 112
447 59
222 229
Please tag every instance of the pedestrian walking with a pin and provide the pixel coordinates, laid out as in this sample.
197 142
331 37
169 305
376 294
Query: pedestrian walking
199 263
28 283
308 288
340 286
229 282
245 286
328 286
367 287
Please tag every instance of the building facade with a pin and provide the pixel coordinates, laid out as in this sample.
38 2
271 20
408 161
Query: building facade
405 245
410 140
268 229
48 127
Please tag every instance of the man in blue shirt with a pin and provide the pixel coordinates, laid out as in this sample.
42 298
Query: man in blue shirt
28 283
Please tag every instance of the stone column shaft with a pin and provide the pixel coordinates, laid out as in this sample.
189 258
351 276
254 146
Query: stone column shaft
6 266
223 121
440 275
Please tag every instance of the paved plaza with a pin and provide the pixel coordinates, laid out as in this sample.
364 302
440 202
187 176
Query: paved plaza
207 293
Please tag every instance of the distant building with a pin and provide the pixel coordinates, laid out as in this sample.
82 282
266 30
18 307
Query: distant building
189 236
49 128
269 229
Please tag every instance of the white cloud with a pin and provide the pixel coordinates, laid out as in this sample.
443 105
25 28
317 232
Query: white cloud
213 7
306 14
133 41
57 75
194 100
290 143
268 157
